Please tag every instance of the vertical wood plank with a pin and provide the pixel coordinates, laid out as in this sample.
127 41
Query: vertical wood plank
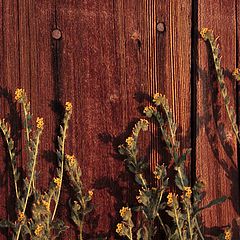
26 60
9 77
216 145
101 74
173 65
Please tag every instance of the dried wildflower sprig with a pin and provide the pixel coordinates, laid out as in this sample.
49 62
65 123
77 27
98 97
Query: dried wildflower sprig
80 205
149 199
32 149
208 35
185 218
61 153
40 226
135 165
4 126
125 227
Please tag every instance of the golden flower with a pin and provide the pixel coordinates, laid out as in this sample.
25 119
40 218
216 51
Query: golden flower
124 211
235 72
21 217
144 124
170 199
90 193
156 175
119 228
203 32
57 181
39 230
46 204
40 123
68 106
71 159
188 192
19 94
228 234
130 142
156 96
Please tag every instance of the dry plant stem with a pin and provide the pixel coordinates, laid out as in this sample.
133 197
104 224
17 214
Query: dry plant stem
62 163
178 227
173 152
220 78
198 228
31 179
7 137
27 133
81 230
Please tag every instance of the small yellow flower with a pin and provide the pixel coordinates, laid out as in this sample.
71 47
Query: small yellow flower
57 181
68 106
71 160
228 234
90 193
130 142
39 230
40 123
119 228
235 72
21 217
170 199
46 204
188 192
203 32
156 96
124 211
19 94
156 175
144 124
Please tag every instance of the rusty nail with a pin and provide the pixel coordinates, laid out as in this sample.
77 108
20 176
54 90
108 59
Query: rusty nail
56 34
161 27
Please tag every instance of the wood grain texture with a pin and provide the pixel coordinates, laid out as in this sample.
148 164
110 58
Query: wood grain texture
173 71
216 161
109 62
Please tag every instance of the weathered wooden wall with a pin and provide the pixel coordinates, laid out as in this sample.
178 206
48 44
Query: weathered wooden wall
110 56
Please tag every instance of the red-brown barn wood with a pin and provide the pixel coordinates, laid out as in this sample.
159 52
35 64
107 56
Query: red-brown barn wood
216 150
109 57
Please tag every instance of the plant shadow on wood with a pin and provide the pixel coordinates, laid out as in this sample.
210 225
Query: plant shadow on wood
220 137
14 119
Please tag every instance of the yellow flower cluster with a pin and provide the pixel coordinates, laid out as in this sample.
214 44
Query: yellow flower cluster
39 123
46 204
235 72
188 192
203 32
57 181
119 228
124 211
21 217
19 94
144 124
228 234
71 160
68 106
39 230
90 193
170 199
149 108
156 175
130 142
156 96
